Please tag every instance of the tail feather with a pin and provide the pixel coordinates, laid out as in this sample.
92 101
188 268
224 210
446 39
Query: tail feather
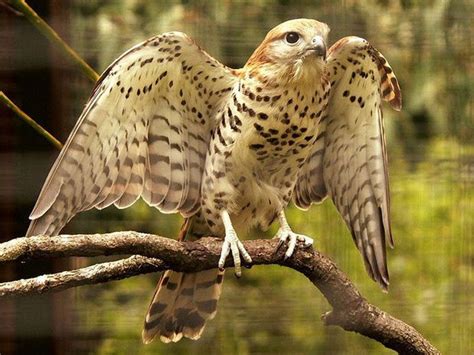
182 304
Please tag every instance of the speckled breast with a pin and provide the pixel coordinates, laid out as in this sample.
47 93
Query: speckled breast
262 139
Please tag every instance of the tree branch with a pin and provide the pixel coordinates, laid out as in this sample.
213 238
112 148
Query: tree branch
35 125
22 7
350 311
104 272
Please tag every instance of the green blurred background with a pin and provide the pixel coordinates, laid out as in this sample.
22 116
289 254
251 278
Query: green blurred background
271 309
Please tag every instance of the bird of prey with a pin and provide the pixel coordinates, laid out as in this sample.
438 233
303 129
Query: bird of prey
229 149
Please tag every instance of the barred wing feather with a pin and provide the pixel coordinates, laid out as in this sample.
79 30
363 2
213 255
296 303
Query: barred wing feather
349 161
144 132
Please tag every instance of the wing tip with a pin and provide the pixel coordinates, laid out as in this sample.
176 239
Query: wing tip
389 83
381 277
396 103
395 99
339 45
394 95
31 227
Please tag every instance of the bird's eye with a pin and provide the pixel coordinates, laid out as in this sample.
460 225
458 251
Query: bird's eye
292 37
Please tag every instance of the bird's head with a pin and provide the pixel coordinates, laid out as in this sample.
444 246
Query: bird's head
294 50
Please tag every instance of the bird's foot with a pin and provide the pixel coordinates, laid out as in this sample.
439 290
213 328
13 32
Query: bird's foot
234 245
286 234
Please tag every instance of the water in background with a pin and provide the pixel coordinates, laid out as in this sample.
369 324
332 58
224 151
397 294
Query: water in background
273 309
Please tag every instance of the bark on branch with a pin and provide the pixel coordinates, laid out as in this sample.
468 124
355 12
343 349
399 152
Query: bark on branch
152 253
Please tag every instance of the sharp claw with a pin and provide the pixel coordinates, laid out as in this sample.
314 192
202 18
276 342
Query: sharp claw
307 242
220 265
280 244
292 238
244 252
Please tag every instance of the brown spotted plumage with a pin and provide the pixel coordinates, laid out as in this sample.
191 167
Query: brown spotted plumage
229 149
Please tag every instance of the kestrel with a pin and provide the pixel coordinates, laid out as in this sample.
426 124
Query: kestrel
229 149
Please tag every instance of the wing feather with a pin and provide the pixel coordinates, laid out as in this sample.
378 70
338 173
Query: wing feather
144 132
349 161
134 188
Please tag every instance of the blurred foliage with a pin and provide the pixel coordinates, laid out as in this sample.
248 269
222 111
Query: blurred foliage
274 310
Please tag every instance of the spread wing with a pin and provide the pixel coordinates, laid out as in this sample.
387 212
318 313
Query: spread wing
349 161
144 132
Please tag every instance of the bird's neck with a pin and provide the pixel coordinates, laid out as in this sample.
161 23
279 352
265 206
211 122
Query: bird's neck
265 89
268 79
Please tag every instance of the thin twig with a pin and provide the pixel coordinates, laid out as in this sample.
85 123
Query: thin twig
351 310
9 7
51 35
99 273
36 126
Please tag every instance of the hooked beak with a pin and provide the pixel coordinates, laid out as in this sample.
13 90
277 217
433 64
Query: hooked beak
318 47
